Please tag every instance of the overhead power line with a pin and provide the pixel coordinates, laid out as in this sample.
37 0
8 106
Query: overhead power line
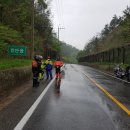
59 12
57 9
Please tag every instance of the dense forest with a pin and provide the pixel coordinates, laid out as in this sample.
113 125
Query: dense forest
16 27
69 53
28 23
114 35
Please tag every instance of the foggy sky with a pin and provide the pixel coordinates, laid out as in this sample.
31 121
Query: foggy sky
83 19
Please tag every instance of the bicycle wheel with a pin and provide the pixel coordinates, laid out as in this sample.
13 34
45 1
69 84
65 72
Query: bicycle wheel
57 84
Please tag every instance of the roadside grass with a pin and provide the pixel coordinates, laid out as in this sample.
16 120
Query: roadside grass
14 63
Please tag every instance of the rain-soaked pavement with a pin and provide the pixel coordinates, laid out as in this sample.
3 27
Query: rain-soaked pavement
81 105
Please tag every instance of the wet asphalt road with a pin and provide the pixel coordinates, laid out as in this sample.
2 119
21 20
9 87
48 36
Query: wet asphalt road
81 105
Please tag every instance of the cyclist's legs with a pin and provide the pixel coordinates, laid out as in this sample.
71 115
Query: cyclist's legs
47 74
58 72
50 73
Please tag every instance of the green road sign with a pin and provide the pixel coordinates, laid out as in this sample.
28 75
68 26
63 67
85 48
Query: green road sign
15 50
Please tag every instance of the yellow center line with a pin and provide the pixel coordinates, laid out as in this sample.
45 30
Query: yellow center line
110 96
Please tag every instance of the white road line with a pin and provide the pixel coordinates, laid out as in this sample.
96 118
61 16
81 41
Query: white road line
28 114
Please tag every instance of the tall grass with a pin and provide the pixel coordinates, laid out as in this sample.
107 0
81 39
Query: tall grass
13 63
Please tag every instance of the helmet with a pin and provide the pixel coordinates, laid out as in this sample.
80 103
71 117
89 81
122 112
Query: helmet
40 57
58 58
36 57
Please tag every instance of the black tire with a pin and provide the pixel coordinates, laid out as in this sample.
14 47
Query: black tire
57 85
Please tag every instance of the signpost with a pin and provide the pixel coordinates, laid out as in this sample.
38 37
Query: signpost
16 50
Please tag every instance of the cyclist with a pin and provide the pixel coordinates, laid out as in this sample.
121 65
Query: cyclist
35 70
42 67
48 67
58 64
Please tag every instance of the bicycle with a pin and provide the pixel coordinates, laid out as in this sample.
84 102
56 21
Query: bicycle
58 82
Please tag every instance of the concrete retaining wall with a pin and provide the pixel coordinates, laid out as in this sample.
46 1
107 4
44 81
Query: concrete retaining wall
14 77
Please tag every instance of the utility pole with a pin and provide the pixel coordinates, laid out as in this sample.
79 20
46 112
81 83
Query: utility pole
58 34
32 35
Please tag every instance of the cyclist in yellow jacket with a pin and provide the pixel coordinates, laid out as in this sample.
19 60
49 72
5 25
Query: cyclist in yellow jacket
42 69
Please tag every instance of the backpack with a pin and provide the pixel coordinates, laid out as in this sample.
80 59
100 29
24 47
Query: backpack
34 63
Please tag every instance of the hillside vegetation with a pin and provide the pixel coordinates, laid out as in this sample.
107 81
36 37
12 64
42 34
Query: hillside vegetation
114 35
17 26
69 53
8 36
28 23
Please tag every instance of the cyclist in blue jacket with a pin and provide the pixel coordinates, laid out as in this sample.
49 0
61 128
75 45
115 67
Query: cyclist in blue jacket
49 67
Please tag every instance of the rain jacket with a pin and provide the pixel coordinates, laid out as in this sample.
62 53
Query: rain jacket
48 64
